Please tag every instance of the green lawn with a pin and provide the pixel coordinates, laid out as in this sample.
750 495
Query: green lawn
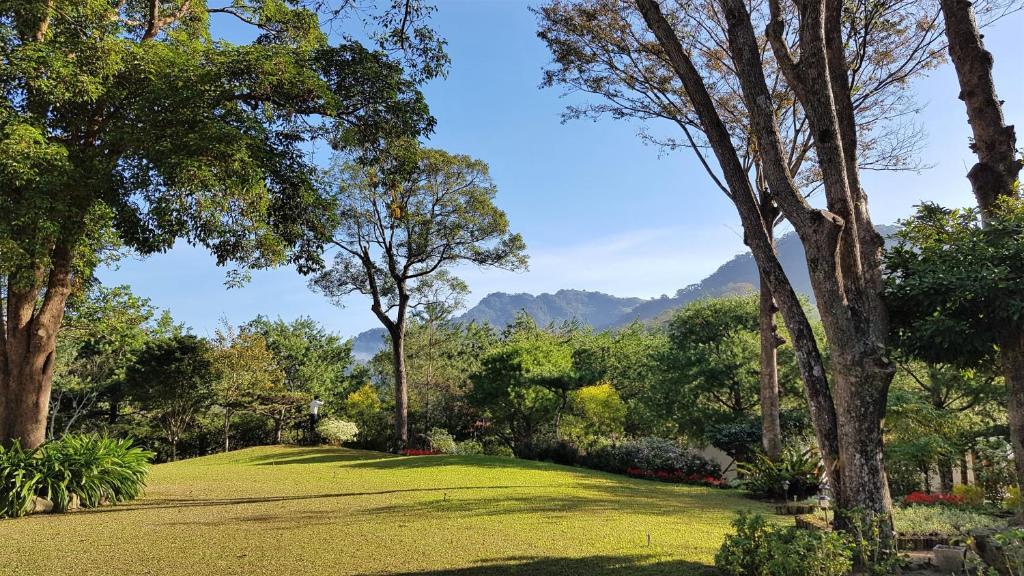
296 511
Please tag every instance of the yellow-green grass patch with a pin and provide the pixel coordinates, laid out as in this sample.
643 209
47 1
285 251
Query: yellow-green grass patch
292 511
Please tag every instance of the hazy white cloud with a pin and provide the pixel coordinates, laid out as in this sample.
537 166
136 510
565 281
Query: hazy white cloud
644 262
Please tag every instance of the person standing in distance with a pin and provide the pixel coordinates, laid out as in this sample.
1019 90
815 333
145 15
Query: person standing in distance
314 417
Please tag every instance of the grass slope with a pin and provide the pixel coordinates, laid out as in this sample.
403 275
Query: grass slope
303 511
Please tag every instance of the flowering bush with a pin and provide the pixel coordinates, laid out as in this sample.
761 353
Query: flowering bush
674 476
935 498
418 452
337 431
656 459
441 441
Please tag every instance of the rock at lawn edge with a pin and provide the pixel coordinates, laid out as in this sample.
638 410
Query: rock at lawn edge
40 506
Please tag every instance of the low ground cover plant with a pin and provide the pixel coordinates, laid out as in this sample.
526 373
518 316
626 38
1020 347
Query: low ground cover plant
945 521
418 452
86 469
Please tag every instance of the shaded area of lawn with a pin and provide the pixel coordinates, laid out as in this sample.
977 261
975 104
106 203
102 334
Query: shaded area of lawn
305 511
597 565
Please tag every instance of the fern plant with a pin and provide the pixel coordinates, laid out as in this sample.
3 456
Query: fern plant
794 474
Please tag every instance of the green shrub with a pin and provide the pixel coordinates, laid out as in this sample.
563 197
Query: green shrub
18 480
946 521
762 549
495 447
794 474
96 469
993 467
468 448
555 451
972 495
650 455
439 440
1011 502
337 431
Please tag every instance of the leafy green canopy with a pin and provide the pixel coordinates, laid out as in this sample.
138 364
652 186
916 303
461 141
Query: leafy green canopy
955 287
115 116
712 367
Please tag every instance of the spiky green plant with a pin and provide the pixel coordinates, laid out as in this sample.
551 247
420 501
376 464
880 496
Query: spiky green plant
18 480
95 468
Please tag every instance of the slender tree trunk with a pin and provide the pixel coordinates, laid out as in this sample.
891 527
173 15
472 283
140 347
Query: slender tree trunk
227 430
28 352
771 425
401 387
279 426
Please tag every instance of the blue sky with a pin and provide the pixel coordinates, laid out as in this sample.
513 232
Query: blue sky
599 209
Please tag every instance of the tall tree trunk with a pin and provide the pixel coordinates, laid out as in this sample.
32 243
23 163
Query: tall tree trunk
992 178
840 244
401 387
771 425
28 352
812 370
994 141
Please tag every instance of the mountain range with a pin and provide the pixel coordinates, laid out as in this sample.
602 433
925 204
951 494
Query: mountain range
603 311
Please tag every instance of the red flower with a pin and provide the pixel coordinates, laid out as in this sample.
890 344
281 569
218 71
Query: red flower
418 452
930 499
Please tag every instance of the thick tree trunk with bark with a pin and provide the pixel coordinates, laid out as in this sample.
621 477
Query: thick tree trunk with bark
401 388
771 425
994 141
29 338
812 370
842 260
992 177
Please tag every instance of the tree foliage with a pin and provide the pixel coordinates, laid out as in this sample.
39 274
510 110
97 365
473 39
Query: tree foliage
955 286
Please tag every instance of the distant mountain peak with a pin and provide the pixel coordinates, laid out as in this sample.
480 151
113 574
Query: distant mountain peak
600 311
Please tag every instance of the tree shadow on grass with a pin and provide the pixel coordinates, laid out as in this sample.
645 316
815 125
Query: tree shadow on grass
157 504
592 566
317 455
